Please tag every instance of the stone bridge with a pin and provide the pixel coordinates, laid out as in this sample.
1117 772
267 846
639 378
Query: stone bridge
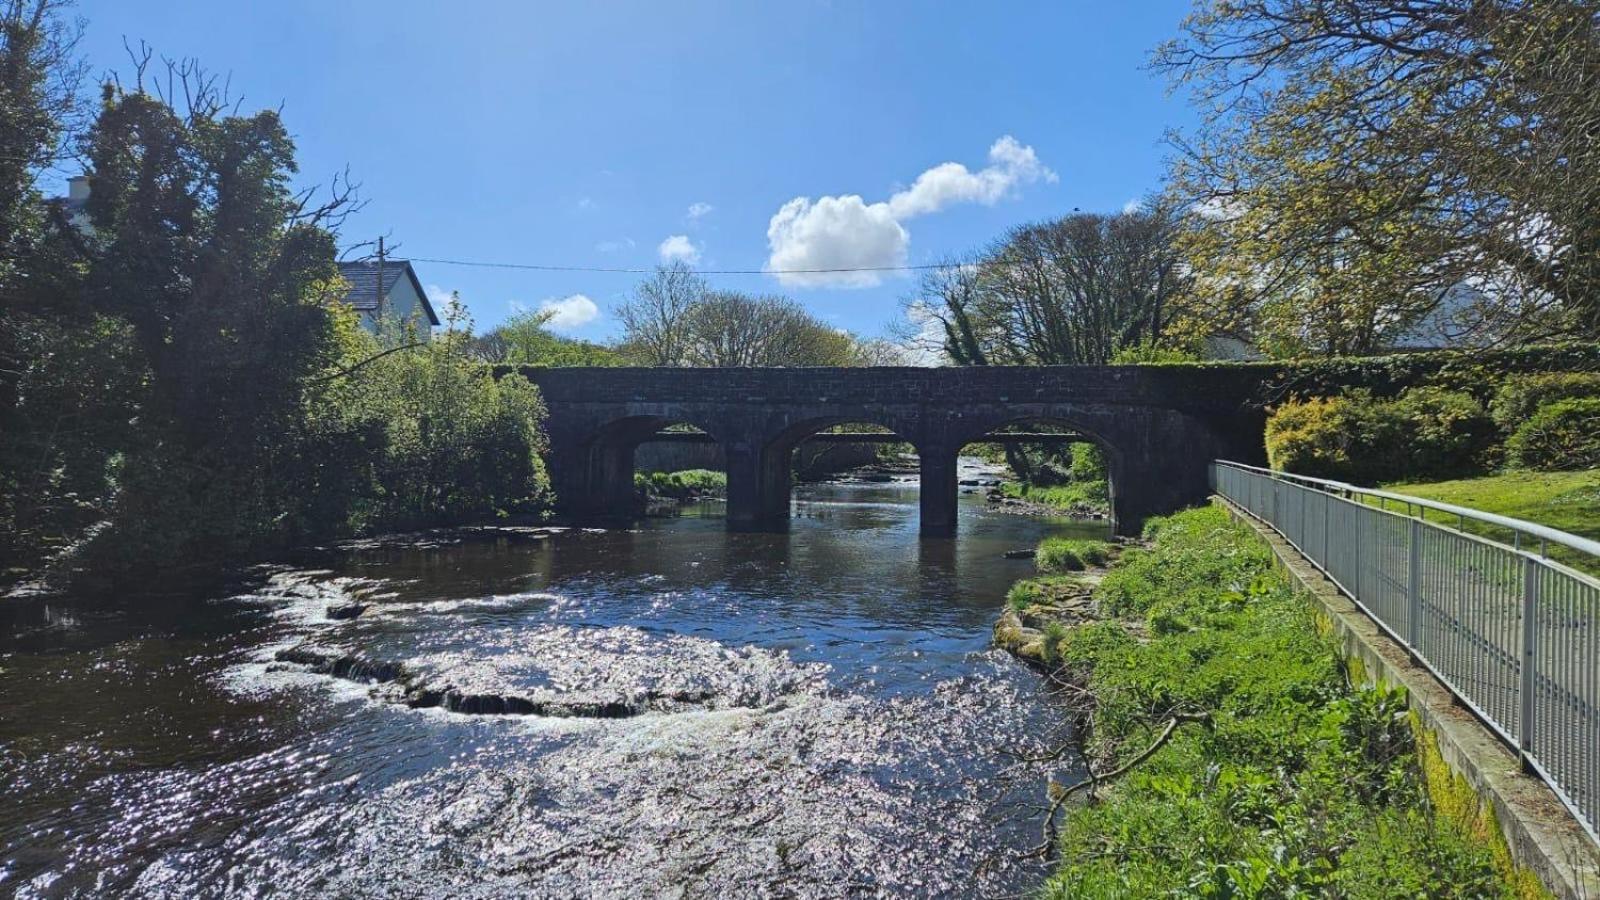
1159 426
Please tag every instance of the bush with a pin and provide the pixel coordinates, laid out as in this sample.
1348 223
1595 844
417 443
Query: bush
1562 435
1444 434
683 484
1523 395
1057 554
1074 495
1426 433
448 441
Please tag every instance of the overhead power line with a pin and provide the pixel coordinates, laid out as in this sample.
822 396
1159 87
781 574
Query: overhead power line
481 264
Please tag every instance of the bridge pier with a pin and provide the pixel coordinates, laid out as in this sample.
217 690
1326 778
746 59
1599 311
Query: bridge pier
758 487
938 495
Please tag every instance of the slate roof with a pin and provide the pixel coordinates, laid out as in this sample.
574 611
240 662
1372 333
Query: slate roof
363 277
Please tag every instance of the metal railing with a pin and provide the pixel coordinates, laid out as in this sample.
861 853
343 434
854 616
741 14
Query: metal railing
1514 634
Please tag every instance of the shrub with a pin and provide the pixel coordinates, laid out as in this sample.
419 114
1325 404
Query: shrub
1523 395
1057 554
1427 432
1444 433
1562 435
444 440
681 485
1070 496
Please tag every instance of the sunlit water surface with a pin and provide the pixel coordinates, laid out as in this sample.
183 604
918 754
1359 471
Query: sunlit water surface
666 711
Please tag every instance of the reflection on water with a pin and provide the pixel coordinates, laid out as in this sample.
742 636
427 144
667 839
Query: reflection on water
667 710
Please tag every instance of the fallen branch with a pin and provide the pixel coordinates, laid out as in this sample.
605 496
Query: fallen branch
1094 781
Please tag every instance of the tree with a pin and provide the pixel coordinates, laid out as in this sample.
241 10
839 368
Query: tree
726 328
56 414
223 275
524 339
423 437
1374 164
39 79
675 319
1073 290
654 318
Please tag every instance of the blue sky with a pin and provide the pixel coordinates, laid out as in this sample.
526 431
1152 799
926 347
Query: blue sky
585 133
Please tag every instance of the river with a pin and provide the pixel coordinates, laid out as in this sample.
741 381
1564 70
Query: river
666 710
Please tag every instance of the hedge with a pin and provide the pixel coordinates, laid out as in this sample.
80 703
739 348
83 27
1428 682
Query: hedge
1561 435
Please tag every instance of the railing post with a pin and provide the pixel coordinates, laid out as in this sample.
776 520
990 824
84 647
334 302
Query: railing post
1303 504
1528 672
1327 527
1414 588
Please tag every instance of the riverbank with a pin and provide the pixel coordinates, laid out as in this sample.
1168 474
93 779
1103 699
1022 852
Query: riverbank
683 486
1232 754
1077 499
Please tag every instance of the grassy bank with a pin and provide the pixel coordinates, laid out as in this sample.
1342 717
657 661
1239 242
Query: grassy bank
684 484
1275 777
1569 501
1074 495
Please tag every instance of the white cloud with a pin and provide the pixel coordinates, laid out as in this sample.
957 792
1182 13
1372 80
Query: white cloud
569 313
699 210
1010 166
1132 206
438 296
678 247
846 232
834 233
586 203
626 243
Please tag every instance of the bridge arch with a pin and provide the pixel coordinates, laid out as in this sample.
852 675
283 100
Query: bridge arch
777 451
605 457
1072 426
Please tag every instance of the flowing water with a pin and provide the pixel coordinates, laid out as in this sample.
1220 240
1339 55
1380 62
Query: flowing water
668 710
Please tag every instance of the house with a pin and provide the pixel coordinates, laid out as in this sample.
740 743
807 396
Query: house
402 298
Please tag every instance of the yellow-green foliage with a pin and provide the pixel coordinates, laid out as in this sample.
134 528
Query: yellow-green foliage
683 484
1456 803
1425 432
1030 591
1562 435
1520 396
1298 785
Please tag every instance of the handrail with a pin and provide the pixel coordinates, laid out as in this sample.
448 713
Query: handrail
1513 634
1543 532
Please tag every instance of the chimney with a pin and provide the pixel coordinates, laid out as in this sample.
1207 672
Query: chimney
78 188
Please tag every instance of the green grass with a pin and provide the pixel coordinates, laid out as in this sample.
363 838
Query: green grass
1059 554
1072 495
1296 785
1569 501
682 484
1029 591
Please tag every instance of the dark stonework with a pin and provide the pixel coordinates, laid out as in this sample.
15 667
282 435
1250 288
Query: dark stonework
1160 426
